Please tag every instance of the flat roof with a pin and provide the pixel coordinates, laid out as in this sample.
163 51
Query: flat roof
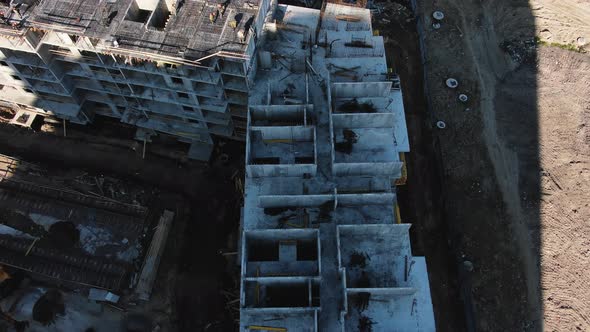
185 32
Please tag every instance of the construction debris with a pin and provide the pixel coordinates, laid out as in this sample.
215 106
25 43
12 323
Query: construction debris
102 295
358 259
365 324
48 307
521 51
354 106
152 261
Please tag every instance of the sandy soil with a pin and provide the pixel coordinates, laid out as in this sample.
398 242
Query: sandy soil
562 21
564 104
516 164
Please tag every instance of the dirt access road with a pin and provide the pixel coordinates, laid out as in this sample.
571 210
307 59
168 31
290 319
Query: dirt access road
420 199
515 158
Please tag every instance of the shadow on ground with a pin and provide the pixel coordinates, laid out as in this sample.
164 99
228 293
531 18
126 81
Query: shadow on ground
473 188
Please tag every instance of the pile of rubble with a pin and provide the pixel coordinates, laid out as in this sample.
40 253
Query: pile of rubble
521 51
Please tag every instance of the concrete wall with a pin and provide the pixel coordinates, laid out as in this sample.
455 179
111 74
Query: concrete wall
400 128
280 113
255 292
388 256
387 291
363 120
294 133
291 133
300 321
146 4
355 169
282 234
365 199
280 170
252 268
360 89
274 201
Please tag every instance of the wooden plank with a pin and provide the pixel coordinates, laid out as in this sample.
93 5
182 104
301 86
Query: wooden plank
149 270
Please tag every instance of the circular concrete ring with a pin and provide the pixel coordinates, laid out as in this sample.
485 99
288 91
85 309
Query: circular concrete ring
441 124
438 15
452 83
463 97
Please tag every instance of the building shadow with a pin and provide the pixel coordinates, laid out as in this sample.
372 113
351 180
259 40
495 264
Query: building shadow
473 191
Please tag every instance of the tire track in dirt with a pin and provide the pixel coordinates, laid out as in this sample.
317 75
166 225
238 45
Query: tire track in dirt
564 119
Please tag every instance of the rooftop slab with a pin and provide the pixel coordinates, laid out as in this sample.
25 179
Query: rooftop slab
350 192
180 29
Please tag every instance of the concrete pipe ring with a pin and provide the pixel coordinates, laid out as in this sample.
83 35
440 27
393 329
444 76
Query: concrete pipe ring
452 83
438 15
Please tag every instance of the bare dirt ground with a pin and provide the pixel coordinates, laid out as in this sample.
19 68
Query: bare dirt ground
565 179
562 21
420 199
516 164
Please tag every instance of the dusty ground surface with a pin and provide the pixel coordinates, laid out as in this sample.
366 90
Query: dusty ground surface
562 21
565 179
515 165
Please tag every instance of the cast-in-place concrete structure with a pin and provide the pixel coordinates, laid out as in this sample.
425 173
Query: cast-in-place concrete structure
181 68
321 114
321 247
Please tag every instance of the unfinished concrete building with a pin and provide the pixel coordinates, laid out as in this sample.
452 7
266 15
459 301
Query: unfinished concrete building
169 67
323 248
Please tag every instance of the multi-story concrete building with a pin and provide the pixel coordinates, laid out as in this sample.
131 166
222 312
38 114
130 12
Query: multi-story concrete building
323 248
171 67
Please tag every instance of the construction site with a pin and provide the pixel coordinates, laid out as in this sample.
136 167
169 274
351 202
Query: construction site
291 113
294 165
175 68
322 248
